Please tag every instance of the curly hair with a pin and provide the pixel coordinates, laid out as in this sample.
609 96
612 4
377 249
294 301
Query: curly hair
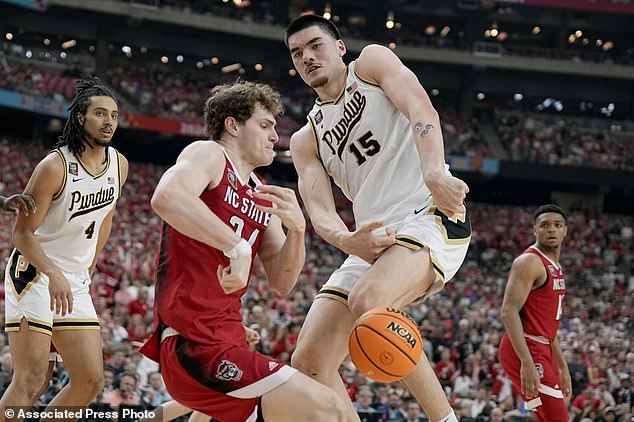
238 100
74 134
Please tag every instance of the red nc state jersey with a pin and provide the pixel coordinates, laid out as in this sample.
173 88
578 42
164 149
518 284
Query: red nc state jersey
542 310
189 297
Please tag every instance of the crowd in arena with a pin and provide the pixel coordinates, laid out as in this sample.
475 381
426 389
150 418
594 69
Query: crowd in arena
460 325
533 137
356 24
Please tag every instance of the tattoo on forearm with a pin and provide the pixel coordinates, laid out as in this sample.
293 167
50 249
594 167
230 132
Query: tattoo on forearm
423 129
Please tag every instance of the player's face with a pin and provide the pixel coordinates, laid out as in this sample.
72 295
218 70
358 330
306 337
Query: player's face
258 137
101 120
315 54
550 229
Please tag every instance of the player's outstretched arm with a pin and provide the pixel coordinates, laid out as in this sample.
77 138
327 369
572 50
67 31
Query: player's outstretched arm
526 271
379 64
282 255
17 203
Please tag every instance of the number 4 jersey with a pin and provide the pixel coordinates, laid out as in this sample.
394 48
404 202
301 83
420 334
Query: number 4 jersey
69 232
542 310
367 146
189 297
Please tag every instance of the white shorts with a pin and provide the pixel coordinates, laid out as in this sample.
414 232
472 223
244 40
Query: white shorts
26 296
447 240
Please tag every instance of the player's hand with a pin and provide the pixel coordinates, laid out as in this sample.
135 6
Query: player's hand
367 245
530 380
449 193
18 203
236 275
284 205
61 294
566 383
253 337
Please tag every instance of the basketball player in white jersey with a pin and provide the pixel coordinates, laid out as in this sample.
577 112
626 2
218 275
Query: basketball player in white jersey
47 278
374 130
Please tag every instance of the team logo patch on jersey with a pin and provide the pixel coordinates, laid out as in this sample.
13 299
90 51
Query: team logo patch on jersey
250 192
552 270
540 370
319 117
273 365
232 179
72 169
228 371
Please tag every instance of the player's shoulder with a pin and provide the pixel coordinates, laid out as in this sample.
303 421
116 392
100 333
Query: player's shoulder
527 262
201 152
53 163
302 138
372 59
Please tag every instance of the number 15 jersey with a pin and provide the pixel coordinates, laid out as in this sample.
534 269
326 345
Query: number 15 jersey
366 144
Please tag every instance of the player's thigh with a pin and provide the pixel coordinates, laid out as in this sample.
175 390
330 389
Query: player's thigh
300 399
324 335
29 350
399 277
81 352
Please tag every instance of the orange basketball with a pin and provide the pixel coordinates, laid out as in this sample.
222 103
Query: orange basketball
385 344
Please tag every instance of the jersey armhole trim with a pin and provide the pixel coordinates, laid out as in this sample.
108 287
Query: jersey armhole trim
63 187
365 81
119 174
314 131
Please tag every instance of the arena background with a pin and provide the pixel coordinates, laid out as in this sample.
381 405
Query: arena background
536 100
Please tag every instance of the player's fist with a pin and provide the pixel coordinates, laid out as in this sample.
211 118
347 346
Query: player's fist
236 276
284 204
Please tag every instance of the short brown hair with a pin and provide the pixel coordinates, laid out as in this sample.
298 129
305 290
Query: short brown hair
238 100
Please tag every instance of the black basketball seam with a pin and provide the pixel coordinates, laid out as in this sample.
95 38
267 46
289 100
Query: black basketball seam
368 357
390 341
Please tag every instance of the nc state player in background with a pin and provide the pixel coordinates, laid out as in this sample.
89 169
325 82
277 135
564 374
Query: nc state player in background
531 312
218 215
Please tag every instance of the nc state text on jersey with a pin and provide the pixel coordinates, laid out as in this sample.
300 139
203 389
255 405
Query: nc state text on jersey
246 207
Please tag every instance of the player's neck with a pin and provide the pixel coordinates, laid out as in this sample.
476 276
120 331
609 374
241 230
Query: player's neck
243 167
93 158
551 252
335 85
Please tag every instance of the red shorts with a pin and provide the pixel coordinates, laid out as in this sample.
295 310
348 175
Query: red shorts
222 381
549 405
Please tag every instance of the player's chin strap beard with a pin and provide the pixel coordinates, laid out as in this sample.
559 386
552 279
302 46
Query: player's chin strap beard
91 141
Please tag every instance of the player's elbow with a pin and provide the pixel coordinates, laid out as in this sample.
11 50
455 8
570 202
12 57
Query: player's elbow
160 201
506 313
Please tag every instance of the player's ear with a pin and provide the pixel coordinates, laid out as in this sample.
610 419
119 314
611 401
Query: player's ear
231 126
80 118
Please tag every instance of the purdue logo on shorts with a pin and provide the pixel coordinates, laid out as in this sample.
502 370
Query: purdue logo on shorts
228 371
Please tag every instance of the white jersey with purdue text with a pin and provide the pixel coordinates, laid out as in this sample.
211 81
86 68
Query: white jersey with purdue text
366 144
69 232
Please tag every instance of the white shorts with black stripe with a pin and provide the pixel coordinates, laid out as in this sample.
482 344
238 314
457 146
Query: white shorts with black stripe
27 296
447 240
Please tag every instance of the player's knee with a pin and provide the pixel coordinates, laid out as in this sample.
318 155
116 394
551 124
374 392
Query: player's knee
335 411
90 384
30 381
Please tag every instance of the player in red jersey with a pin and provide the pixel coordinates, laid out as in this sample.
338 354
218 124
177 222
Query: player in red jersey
531 312
213 202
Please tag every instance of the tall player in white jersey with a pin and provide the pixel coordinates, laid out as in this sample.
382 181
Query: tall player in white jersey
47 278
374 130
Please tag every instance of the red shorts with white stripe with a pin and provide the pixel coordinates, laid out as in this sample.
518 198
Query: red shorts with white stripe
549 405
222 381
